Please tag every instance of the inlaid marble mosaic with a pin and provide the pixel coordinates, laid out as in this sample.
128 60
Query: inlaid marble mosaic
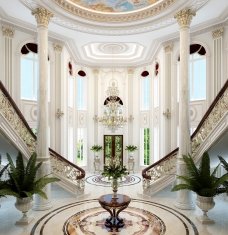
136 220
141 217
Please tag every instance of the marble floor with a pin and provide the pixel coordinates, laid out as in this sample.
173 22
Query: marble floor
154 215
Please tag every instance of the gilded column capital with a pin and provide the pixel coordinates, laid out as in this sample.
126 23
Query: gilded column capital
57 47
217 33
42 16
184 17
95 71
168 47
130 71
8 31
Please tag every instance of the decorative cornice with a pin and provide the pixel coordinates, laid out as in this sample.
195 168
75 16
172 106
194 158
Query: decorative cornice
42 16
217 33
57 47
8 31
184 17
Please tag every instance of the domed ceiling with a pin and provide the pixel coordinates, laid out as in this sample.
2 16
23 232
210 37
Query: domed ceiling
114 5
121 33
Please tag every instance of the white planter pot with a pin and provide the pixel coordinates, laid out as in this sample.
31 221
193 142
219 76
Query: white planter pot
205 204
24 205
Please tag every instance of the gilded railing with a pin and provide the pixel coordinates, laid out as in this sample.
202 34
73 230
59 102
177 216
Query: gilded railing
60 166
167 165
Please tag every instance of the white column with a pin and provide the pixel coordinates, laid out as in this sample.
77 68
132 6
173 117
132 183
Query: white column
95 103
42 17
217 61
56 111
184 17
8 34
166 102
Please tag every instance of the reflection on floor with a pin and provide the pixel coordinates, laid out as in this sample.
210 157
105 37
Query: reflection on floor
145 215
103 181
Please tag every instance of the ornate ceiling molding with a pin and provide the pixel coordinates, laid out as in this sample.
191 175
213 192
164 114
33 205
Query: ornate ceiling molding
77 10
156 16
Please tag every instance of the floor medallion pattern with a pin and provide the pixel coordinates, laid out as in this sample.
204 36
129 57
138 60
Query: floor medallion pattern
141 218
99 180
136 220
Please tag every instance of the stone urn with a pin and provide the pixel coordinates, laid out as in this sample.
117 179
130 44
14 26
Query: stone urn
24 205
114 184
205 204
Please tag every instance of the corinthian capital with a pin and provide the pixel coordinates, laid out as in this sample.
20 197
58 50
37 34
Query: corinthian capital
217 33
42 16
57 47
7 31
184 17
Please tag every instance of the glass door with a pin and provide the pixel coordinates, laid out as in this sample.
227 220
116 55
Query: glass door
113 149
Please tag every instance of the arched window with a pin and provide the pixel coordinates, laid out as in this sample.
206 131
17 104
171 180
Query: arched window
145 97
197 72
29 71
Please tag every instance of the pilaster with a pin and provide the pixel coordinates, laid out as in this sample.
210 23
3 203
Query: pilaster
217 60
8 34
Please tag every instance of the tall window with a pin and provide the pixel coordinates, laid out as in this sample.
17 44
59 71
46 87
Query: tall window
197 77
197 73
145 96
81 93
29 72
81 147
145 151
29 76
145 93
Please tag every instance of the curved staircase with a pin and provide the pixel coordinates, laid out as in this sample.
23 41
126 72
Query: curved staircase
212 126
16 129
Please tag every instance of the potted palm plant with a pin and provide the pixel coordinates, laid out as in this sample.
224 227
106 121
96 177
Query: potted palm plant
205 184
23 184
225 166
114 171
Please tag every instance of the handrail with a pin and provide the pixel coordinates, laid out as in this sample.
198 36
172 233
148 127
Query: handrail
210 108
223 89
8 97
81 176
145 176
14 105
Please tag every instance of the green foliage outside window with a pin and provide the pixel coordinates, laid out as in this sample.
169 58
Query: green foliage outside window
146 146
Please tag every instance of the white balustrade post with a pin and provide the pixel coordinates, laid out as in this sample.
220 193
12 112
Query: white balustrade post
42 17
184 17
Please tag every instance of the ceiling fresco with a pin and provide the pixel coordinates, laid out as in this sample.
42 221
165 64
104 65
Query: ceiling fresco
114 5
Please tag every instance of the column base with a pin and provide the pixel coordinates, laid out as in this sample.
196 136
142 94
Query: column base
42 207
184 206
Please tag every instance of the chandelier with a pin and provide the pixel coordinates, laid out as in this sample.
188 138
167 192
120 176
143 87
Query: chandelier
113 112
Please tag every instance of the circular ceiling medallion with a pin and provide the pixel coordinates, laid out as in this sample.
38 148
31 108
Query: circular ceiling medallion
113 48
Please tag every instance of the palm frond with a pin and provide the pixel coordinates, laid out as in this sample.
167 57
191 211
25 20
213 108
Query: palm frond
224 162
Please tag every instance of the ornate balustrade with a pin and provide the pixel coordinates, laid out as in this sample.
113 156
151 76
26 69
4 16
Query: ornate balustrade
60 166
167 165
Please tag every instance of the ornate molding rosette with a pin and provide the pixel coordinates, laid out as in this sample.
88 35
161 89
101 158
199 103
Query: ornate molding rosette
218 33
8 31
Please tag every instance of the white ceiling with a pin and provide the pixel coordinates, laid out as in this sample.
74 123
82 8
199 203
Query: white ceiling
104 44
